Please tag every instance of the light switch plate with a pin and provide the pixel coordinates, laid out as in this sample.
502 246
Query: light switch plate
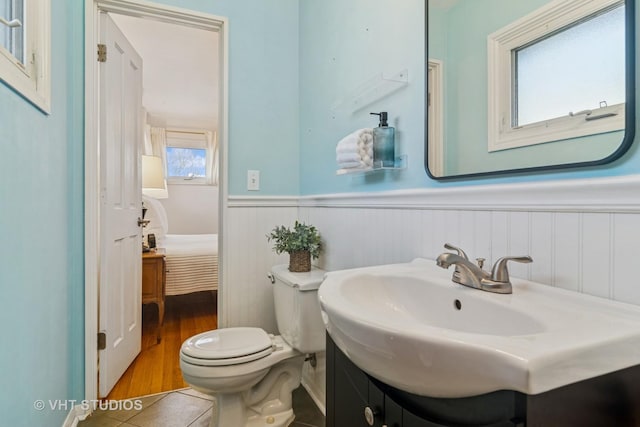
253 180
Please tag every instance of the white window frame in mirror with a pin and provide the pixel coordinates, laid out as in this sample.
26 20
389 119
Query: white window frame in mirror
33 79
435 105
552 17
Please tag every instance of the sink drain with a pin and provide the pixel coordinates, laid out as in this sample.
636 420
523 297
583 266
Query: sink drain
457 304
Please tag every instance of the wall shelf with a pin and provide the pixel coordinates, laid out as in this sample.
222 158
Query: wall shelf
399 164
377 87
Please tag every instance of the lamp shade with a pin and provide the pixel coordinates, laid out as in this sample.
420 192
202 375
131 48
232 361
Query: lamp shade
153 182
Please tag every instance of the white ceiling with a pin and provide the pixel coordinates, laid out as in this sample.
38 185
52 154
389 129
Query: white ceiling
180 71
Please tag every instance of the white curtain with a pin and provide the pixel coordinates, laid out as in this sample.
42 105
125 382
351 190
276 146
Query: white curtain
212 157
158 144
148 148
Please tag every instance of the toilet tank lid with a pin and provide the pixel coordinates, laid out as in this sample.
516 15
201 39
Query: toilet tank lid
308 281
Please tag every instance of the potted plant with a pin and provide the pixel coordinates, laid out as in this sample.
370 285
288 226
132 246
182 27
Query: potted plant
302 243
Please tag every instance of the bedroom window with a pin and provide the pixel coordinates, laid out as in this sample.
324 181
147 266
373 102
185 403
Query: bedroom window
25 49
558 80
191 157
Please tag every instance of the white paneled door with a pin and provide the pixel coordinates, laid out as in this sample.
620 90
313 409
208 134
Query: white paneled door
120 315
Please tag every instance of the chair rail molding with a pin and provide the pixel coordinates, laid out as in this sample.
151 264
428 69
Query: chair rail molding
262 201
611 195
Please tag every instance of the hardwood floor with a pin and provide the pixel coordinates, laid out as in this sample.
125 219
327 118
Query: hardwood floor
157 367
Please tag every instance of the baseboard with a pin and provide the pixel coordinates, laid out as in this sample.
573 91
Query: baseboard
77 414
315 396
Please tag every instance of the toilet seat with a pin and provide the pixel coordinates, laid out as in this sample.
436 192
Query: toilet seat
227 346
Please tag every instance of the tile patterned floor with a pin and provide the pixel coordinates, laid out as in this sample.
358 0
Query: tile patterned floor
189 408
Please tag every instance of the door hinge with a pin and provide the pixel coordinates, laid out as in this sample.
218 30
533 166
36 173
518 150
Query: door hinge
102 340
102 52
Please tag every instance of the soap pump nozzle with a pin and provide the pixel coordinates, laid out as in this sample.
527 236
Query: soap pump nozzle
383 118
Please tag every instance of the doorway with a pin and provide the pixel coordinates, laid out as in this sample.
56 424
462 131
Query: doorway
156 14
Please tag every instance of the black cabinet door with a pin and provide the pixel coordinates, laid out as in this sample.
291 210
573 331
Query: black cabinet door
410 420
350 394
392 413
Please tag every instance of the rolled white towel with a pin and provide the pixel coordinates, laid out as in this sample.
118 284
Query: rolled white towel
346 149
350 142
351 165
354 147
367 150
348 157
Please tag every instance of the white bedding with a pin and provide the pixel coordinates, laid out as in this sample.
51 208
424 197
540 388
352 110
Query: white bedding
191 261
190 244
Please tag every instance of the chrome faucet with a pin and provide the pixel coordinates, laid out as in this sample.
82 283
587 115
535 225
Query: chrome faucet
469 274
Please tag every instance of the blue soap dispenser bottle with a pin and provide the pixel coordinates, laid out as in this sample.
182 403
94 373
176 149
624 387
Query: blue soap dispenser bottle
383 143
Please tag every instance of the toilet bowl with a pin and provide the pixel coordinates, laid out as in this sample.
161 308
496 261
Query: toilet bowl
252 373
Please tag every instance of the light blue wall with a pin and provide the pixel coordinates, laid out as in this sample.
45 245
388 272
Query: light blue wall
359 39
41 166
342 45
290 62
41 229
263 91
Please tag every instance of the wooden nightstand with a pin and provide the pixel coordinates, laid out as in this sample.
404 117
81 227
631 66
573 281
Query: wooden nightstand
153 282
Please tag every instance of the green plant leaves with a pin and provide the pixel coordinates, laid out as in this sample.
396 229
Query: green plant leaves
302 238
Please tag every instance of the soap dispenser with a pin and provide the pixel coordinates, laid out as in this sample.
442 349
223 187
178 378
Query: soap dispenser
383 143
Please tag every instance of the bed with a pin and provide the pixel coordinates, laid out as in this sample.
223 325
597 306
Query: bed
191 259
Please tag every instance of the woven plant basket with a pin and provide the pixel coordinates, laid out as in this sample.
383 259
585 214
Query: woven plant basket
300 261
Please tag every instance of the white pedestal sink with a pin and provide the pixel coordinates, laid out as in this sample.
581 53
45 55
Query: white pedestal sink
411 327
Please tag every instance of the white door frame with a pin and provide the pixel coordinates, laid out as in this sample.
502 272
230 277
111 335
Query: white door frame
138 8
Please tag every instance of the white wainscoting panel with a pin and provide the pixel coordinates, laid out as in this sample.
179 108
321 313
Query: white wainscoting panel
583 236
248 294
567 251
314 380
594 253
625 261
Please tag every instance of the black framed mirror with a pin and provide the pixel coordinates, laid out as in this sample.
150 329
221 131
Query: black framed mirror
517 86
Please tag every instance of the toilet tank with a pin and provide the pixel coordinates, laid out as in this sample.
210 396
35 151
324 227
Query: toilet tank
297 308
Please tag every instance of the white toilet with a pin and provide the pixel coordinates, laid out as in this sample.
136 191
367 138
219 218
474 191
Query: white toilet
251 373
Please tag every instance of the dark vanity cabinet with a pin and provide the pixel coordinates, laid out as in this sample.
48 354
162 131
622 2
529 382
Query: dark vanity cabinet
608 400
350 392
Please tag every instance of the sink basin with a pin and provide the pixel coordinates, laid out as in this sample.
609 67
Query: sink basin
411 327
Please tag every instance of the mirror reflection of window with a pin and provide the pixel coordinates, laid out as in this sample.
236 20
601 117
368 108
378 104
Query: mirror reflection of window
578 68
502 65
557 73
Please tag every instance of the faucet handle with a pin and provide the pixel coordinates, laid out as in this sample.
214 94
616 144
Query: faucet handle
453 248
500 273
